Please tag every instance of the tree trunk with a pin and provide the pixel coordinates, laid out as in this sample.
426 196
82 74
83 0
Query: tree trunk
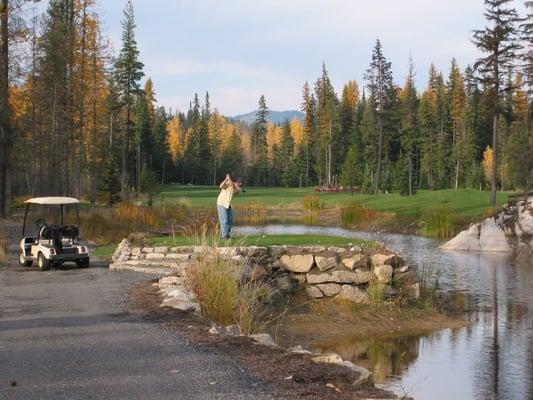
493 183
5 126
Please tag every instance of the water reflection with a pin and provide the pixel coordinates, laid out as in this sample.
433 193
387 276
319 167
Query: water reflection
490 359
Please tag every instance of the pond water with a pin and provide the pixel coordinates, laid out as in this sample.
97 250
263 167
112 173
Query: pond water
492 358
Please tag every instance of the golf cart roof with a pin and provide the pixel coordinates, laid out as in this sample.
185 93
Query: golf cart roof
53 200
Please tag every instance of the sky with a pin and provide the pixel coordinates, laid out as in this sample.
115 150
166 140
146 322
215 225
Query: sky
240 49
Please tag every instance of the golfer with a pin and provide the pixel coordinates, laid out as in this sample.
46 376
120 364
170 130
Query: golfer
229 188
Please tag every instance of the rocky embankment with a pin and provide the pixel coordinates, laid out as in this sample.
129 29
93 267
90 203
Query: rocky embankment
343 273
509 231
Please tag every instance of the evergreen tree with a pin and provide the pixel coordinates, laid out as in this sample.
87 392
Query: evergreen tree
351 174
382 91
309 131
129 73
259 144
498 42
409 134
328 126
287 155
347 132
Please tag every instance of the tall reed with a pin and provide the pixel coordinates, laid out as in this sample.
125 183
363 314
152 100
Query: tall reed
440 223
356 213
312 203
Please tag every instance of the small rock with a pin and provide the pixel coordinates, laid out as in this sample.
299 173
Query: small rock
170 280
383 273
148 250
357 277
217 330
313 279
155 256
299 350
136 251
264 338
233 330
298 263
300 278
357 261
404 269
415 290
284 283
161 249
354 294
329 289
228 251
178 256
331 358
313 292
325 263
389 259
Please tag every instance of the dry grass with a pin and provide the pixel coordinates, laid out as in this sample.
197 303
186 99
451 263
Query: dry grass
111 225
223 295
253 213
312 203
355 214
440 223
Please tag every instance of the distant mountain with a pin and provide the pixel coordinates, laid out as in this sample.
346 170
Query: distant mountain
276 117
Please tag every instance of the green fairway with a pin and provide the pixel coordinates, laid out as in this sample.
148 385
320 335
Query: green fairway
465 202
251 240
264 240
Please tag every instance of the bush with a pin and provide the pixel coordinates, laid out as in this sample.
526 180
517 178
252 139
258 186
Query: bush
440 223
355 213
223 296
312 203
149 185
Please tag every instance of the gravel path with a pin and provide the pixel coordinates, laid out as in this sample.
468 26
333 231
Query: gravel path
64 335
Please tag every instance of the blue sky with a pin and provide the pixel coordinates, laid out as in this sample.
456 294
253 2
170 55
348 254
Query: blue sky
240 49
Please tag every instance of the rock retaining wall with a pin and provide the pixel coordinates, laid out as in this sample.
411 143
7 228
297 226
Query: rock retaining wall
340 272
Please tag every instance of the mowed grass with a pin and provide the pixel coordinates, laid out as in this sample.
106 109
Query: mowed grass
266 240
464 202
251 240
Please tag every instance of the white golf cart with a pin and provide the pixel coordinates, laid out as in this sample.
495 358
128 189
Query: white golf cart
52 244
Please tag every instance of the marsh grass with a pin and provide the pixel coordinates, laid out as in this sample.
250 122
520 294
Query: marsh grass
111 225
355 214
253 213
376 293
224 296
440 223
312 204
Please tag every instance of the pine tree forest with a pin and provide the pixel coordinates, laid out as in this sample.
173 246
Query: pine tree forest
80 118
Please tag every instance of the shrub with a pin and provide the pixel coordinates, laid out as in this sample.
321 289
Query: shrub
224 297
149 185
355 213
440 223
312 203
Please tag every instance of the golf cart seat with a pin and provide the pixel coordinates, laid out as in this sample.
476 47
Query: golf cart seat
70 232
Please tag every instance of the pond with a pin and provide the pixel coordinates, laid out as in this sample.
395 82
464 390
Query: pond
492 358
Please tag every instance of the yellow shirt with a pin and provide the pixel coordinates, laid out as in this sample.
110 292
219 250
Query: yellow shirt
227 194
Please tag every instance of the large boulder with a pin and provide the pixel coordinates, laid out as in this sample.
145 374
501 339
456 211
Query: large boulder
492 237
298 263
466 240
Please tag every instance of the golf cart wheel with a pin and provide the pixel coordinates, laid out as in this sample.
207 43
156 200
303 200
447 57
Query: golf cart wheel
44 264
83 263
23 262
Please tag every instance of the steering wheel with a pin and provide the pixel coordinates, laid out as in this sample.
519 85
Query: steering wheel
40 223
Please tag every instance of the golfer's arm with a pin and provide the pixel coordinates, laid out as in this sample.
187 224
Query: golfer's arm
224 182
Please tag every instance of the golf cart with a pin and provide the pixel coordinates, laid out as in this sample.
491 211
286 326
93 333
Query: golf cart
52 244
